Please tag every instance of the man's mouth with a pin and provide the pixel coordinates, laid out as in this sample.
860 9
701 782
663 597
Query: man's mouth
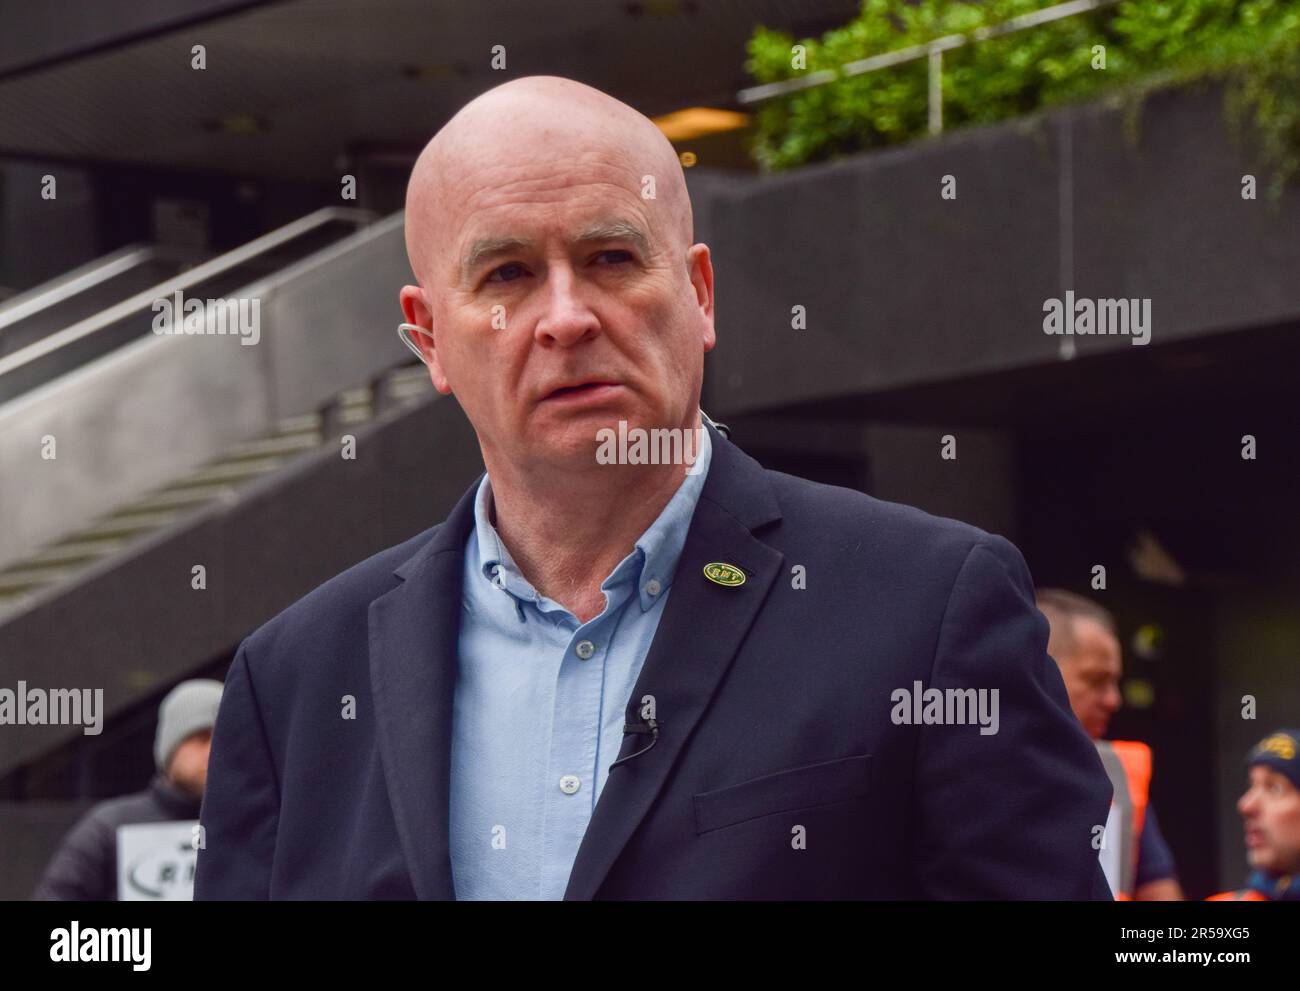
581 390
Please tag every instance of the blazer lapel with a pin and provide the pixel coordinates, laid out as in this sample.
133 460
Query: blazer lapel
698 636
413 635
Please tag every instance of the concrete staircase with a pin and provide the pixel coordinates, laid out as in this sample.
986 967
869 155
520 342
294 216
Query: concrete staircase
218 480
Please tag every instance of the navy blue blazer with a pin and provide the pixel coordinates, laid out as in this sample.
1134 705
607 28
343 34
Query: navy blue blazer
784 768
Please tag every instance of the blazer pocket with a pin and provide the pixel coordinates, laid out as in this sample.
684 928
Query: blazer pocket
798 788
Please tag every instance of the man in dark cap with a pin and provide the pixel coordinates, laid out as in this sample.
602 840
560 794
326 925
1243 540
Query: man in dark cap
1270 815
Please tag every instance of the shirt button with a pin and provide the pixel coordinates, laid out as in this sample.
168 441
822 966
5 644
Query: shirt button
653 587
584 649
569 784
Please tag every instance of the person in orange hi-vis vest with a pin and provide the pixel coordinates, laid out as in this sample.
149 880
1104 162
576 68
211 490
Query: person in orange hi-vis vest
1270 816
1083 642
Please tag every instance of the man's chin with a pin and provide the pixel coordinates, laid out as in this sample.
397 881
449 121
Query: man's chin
581 434
575 451
1260 859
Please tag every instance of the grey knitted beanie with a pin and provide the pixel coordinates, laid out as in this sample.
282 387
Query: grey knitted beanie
188 708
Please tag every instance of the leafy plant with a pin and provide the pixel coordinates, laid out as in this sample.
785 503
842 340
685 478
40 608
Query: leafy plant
1253 45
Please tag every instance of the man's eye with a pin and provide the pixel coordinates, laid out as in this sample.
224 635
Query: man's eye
513 267
623 256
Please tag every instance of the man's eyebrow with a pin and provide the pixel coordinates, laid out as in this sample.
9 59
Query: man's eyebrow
615 230
488 247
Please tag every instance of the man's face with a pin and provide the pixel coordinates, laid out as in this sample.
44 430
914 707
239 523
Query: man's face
1091 673
1270 815
557 273
188 768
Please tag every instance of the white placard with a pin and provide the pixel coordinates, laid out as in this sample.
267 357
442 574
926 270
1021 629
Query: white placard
155 861
1113 839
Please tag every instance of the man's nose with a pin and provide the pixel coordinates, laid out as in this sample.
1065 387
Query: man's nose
1246 804
566 318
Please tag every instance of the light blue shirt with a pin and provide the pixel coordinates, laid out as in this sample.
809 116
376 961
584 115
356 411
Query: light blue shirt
540 701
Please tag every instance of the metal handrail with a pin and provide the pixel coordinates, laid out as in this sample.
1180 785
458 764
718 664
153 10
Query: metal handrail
55 291
931 50
143 301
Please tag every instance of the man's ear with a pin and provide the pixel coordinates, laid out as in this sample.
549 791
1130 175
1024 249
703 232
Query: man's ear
700 269
416 309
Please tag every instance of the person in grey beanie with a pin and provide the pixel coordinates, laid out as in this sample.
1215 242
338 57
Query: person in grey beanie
84 868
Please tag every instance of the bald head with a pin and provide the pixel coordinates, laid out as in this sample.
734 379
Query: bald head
526 130
549 229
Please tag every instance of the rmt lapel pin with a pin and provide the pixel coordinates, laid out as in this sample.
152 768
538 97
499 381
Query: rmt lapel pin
724 574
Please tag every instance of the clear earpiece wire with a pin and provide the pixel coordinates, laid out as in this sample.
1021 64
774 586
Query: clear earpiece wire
405 330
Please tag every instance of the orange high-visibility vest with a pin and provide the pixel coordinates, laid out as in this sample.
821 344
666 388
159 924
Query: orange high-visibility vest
1128 763
1241 895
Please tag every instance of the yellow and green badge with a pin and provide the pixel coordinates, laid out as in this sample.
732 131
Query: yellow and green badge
724 574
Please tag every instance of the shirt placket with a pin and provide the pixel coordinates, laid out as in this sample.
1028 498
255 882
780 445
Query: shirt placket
575 740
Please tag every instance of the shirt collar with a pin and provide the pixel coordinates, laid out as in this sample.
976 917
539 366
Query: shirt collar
1275 887
653 559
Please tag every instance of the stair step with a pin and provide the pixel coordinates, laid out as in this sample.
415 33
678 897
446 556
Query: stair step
182 498
303 423
128 524
409 388
223 472
74 551
355 414
17 582
276 444
12 598
411 375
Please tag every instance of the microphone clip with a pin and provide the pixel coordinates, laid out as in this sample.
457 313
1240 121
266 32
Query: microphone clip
648 728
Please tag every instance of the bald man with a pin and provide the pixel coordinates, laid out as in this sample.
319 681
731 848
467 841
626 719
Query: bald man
1084 642
612 674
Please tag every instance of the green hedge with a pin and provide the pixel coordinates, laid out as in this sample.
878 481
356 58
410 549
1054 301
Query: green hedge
1254 45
